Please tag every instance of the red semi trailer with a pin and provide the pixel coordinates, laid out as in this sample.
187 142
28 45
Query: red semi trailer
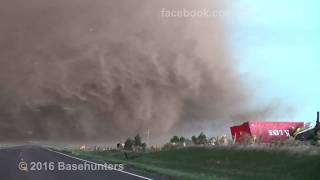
264 131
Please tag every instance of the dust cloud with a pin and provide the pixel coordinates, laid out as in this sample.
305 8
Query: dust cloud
102 69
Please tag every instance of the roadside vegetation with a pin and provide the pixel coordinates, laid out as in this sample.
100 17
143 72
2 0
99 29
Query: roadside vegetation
198 159
220 162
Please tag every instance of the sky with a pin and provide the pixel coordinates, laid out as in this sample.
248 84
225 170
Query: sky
276 45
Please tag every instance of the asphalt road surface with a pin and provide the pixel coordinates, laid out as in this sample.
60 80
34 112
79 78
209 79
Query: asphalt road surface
38 163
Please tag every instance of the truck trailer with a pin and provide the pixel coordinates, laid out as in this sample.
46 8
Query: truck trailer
263 131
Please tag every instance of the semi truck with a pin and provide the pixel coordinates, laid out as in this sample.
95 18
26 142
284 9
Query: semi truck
311 133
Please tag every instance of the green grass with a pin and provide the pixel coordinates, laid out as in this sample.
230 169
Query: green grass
221 163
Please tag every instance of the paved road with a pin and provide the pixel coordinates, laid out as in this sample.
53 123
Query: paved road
11 157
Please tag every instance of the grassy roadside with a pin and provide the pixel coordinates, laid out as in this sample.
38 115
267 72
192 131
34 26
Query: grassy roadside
220 163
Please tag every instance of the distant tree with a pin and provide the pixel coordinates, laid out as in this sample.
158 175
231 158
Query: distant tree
137 140
174 139
194 139
202 138
144 146
128 144
182 139
119 145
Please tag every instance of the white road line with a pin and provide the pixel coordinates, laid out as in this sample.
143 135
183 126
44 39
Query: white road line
132 174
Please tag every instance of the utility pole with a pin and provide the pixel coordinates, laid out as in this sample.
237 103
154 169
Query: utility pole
148 137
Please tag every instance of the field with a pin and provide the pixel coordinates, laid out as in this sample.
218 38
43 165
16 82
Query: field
239 163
